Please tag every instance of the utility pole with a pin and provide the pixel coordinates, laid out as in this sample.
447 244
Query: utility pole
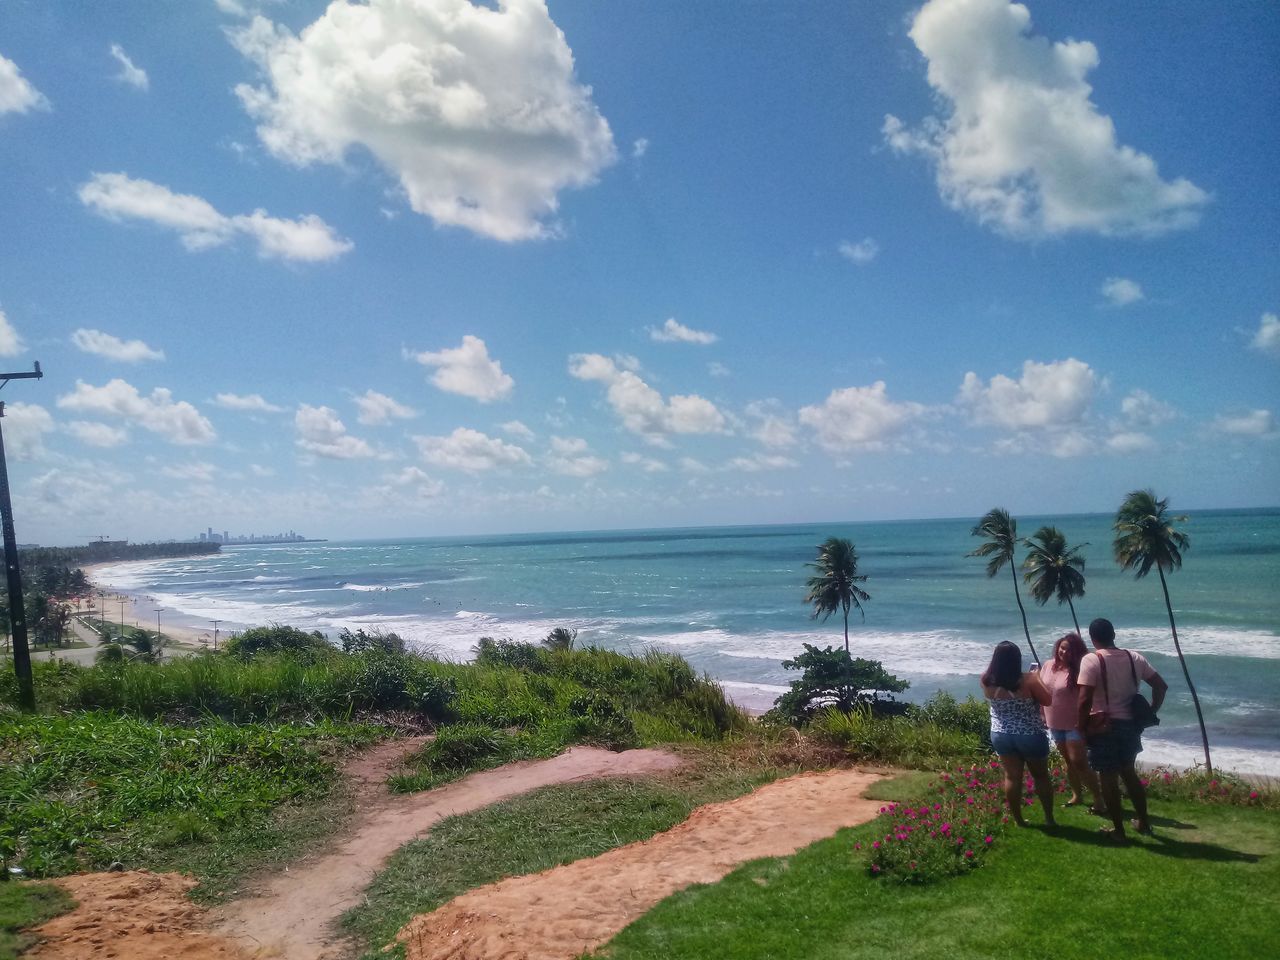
157 646
123 600
13 575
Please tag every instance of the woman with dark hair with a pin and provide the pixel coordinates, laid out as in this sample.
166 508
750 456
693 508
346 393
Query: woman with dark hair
1017 728
1060 677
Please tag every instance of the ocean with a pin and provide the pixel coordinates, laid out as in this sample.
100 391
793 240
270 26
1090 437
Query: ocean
730 599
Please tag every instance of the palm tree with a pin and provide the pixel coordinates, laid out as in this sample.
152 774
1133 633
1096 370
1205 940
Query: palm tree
836 585
1054 569
1001 531
1146 538
561 638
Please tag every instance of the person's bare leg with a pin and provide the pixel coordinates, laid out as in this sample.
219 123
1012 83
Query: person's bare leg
1078 760
1111 797
1044 787
1073 774
1138 797
1013 786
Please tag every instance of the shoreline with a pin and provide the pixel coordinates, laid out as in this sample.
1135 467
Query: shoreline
754 698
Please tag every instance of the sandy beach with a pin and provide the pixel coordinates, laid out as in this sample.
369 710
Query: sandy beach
139 610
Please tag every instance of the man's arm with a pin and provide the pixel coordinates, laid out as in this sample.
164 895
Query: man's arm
1084 706
1158 689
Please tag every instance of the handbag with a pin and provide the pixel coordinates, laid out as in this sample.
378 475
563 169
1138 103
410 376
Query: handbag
1139 707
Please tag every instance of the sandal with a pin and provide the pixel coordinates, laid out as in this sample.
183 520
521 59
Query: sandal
1148 832
1097 811
1118 837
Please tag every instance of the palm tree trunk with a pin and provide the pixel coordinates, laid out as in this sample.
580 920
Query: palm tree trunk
1022 610
1073 616
846 629
1204 734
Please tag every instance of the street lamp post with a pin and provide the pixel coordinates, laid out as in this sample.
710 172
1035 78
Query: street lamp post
215 632
157 646
123 600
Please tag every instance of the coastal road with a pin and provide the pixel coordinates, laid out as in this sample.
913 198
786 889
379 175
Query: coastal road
81 655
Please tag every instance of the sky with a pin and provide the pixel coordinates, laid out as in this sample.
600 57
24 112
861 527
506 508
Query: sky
429 267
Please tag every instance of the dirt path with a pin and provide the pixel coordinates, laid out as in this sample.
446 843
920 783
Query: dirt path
562 912
293 917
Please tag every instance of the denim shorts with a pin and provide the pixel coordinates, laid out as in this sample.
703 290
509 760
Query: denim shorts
1062 736
1028 746
1117 749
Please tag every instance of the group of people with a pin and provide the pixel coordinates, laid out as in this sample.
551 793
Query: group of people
1086 701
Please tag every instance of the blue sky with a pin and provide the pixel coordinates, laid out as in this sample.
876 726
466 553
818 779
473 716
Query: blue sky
417 267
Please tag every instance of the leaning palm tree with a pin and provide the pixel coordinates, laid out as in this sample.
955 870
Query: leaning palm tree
1146 538
1001 531
836 585
561 638
1054 569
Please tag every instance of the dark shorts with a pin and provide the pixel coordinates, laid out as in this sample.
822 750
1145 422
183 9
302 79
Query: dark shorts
1116 749
1028 746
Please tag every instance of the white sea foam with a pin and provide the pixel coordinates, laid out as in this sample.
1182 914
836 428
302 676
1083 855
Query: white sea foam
1184 756
380 587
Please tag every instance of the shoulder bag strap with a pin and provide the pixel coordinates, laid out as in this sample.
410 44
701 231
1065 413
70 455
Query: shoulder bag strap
1132 669
1102 665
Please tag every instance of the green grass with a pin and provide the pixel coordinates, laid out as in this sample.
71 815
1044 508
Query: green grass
1207 886
23 905
214 799
538 831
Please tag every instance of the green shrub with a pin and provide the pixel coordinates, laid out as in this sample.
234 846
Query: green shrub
831 678
372 641
907 741
970 715
511 653
600 720
277 638
466 746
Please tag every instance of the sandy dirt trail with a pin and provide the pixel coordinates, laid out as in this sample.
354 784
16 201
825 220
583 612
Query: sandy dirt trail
293 916
562 912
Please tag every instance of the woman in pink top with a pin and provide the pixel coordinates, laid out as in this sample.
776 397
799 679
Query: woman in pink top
1060 677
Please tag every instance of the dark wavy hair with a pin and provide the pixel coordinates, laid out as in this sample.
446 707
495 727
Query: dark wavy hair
1067 654
1005 668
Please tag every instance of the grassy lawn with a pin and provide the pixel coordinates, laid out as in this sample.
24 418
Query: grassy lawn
1208 885
538 831
24 904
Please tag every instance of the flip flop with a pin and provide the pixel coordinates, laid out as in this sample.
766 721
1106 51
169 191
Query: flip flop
1097 811
1113 835
1148 832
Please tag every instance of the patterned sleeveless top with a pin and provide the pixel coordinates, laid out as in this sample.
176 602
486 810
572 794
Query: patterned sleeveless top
1020 715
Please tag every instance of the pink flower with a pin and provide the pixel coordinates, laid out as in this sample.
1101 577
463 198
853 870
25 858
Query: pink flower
1253 794
875 868
876 845
857 846
968 854
913 864
988 839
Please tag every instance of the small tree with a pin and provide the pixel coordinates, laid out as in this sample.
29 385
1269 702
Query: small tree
832 678
371 641
561 638
836 585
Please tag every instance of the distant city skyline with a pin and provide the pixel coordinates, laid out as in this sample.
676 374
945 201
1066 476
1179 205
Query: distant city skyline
673 265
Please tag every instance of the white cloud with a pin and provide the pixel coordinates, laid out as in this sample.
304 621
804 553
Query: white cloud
200 226
252 402
1070 443
1252 423
856 418
1047 395
94 434
1022 147
639 148
377 408
1130 441
467 370
17 95
10 343
672 331
642 408
470 450
416 482
1141 409
761 461
474 108
179 422
517 429
570 458
1267 339
194 471
861 253
647 464
718 369
113 348
1121 291
693 466
772 431
258 470
25 425
133 75
321 432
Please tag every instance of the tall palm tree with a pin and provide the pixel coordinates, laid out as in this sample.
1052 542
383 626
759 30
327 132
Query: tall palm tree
1054 569
836 585
1001 531
1146 538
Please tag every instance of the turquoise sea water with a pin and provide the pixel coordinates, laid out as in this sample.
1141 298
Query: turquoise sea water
730 600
